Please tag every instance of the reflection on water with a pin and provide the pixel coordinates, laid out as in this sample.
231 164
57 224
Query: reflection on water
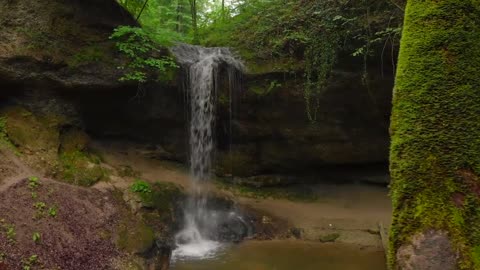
288 255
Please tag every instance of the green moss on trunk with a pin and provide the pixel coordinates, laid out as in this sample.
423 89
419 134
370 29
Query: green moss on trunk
435 150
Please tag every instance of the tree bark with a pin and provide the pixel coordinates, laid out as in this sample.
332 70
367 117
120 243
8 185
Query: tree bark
179 16
141 11
435 129
223 9
193 8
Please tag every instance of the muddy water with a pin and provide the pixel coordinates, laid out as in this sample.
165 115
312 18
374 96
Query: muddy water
288 255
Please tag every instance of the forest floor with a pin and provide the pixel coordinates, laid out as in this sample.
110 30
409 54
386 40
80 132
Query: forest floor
46 224
344 213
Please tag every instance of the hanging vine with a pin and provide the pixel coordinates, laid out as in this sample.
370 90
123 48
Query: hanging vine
320 58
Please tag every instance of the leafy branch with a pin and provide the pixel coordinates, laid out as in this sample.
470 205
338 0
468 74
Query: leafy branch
145 55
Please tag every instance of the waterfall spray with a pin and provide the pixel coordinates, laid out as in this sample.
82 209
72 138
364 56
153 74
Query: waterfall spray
203 69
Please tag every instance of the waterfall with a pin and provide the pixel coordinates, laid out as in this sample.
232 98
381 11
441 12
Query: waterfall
205 72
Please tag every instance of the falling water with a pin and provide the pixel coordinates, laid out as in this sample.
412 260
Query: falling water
204 71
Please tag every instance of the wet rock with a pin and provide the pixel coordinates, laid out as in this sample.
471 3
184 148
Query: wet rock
329 237
29 131
297 232
81 168
234 229
431 250
133 200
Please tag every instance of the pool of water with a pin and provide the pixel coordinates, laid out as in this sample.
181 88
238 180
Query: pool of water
288 255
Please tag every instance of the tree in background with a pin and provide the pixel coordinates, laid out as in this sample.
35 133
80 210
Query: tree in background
435 128
194 12
163 17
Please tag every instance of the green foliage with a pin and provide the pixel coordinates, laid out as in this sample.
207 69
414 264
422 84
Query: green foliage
319 62
40 206
3 128
40 210
36 237
8 229
141 186
144 53
315 33
4 140
11 233
476 257
33 182
53 211
27 264
161 197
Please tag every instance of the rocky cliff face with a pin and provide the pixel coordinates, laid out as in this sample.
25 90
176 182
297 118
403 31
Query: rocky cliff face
59 51
59 44
271 133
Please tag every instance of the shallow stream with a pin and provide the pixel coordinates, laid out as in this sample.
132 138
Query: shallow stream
288 255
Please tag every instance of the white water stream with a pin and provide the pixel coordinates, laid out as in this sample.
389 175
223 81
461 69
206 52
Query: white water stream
202 68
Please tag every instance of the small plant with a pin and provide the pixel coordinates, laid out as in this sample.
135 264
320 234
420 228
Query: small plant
141 187
34 195
28 263
52 211
40 205
2 256
11 233
36 237
33 182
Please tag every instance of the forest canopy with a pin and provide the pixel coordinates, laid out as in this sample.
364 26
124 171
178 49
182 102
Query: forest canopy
266 29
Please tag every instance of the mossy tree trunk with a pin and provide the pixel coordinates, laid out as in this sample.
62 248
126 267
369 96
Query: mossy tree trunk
435 151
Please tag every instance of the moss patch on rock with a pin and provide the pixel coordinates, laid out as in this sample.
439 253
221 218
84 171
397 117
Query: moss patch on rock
35 135
81 168
299 192
4 140
74 140
31 132
332 237
137 239
435 127
48 148
161 196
